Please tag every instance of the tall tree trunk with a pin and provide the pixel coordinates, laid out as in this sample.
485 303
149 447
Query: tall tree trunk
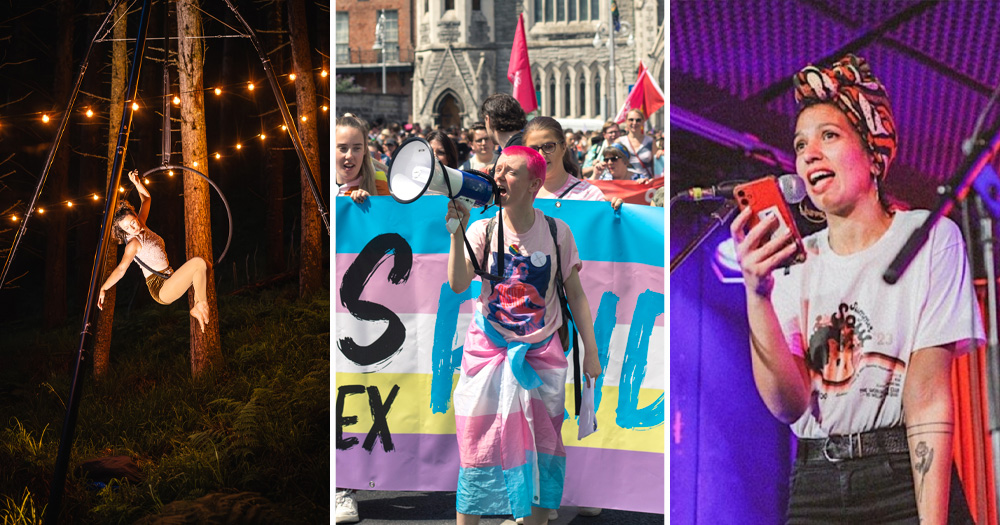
274 225
119 72
311 259
56 240
206 350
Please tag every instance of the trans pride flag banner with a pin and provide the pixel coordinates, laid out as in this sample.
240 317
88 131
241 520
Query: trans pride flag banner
400 331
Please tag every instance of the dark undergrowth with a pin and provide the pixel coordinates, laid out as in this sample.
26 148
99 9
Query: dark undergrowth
260 424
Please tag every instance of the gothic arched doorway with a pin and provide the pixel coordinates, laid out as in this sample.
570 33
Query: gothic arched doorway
448 111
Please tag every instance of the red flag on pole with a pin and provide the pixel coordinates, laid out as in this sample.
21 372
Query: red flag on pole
519 70
645 95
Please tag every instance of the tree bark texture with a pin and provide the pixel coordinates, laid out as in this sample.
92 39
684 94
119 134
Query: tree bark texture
206 351
274 225
56 237
119 73
311 250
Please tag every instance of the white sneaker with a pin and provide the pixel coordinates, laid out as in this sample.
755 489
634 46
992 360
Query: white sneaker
347 507
589 511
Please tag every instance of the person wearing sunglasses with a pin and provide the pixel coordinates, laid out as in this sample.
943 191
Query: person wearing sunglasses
616 162
593 163
638 144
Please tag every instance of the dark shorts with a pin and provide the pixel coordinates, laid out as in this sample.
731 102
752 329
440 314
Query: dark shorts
877 489
154 282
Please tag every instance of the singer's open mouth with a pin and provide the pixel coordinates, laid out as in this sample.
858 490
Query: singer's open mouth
814 178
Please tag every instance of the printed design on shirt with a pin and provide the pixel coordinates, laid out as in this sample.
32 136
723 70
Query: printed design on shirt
835 345
518 302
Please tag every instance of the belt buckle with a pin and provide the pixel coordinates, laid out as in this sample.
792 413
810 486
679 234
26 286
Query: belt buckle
826 450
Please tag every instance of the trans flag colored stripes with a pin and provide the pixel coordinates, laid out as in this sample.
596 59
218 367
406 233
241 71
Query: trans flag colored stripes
399 336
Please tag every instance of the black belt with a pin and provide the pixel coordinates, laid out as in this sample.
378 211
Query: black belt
854 446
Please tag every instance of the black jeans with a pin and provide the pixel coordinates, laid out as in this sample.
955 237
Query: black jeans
876 489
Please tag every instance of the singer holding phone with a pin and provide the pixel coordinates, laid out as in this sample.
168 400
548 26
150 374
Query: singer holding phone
859 369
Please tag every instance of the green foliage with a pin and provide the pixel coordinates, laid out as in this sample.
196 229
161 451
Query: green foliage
346 84
20 511
259 424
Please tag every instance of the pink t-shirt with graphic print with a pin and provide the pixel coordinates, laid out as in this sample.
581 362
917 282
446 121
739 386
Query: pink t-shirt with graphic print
524 306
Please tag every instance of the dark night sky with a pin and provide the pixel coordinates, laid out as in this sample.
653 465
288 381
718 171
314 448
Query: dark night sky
27 67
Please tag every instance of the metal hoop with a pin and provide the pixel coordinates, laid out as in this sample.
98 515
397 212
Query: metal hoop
229 213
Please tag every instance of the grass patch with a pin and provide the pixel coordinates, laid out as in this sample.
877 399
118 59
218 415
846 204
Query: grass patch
259 424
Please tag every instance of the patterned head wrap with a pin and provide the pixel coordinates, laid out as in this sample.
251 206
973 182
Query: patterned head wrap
850 86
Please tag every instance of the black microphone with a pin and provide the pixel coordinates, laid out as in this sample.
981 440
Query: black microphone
791 185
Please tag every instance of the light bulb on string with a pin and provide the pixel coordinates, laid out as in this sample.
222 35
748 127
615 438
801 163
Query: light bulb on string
324 108
195 163
263 136
121 189
250 86
95 197
41 211
218 91
145 181
170 173
239 146
304 118
218 156
284 127
13 217
45 119
69 204
90 113
135 106
177 100
291 76
323 73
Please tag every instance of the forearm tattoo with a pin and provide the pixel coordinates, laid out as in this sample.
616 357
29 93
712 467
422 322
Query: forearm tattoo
925 455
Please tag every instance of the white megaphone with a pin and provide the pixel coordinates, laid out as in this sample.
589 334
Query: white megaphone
414 171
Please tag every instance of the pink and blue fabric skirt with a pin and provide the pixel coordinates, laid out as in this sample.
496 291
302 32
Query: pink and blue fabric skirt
509 408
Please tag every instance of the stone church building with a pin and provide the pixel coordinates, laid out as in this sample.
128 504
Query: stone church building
462 49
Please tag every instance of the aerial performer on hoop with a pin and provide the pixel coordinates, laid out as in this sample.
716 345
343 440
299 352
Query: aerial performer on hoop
165 284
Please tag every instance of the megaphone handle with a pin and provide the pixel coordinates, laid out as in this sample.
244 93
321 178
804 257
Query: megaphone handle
453 225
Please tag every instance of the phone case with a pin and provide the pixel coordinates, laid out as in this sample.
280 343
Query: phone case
765 199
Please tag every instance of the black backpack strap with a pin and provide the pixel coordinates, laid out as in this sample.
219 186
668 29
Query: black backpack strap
486 245
563 194
564 303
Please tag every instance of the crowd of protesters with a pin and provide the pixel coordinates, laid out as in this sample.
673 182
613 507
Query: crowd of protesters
627 151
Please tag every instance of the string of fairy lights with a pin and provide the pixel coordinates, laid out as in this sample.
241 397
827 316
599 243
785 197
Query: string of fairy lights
220 154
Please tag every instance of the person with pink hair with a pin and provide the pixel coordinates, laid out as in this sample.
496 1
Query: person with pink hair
511 392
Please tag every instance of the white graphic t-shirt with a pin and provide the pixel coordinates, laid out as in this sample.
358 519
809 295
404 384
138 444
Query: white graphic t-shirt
856 332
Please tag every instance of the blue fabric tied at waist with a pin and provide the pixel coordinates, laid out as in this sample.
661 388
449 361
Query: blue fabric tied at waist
517 352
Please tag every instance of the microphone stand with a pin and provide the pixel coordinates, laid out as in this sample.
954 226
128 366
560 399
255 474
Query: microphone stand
958 190
719 217
987 242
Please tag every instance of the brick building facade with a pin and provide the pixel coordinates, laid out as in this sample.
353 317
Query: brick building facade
354 57
462 50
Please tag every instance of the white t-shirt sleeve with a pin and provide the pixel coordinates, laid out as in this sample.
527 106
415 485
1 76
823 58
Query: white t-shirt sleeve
950 311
